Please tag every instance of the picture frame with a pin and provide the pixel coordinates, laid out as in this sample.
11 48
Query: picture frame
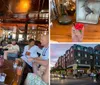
87 11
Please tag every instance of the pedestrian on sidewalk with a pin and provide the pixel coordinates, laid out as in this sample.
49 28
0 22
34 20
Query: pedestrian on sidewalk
92 74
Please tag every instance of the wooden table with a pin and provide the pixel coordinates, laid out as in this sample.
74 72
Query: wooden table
62 33
11 73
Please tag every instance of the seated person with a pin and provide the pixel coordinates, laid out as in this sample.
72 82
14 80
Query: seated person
43 58
30 50
33 79
12 51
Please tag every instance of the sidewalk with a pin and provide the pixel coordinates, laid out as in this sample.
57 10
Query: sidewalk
82 77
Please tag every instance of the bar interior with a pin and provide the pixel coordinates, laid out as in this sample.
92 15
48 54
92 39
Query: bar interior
20 21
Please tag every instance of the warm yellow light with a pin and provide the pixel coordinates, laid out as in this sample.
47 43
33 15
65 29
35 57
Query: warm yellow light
23 6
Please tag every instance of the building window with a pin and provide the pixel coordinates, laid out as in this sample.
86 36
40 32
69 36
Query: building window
71 54
85 62
96 63
64 60
79 62
68 57
85 55
96 52
96 57
79 54
78 48
91 57
71 49
90 50
85 49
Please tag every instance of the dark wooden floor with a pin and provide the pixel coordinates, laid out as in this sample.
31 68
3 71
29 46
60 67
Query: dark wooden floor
62 33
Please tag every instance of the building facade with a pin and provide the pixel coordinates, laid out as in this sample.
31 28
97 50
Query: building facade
84 57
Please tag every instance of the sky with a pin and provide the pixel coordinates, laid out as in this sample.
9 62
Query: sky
57 50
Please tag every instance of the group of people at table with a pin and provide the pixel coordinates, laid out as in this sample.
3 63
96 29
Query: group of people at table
39 64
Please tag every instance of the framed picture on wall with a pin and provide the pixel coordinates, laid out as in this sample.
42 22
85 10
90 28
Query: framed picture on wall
87 11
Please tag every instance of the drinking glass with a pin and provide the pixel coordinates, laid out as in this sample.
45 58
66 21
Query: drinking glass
28 53
77 35
2 77
19 70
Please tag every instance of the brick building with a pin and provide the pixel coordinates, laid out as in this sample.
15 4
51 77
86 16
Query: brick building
85 58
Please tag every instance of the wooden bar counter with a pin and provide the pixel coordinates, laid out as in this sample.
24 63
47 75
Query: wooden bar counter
12 78
62 33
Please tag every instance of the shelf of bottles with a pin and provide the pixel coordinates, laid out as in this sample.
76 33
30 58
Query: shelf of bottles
37 32
42 15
